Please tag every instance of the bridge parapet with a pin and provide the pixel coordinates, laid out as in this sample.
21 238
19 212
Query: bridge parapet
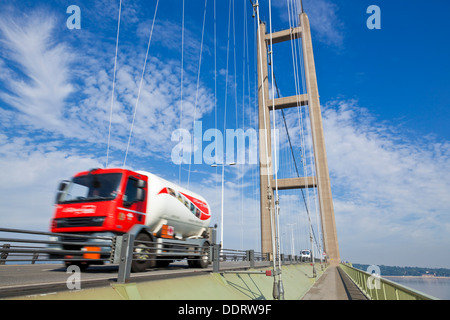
377 288
230 266
121 250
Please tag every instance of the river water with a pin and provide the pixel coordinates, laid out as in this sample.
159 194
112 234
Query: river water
436 287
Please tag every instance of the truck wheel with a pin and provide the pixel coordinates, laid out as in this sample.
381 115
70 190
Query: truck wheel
142 254
203 260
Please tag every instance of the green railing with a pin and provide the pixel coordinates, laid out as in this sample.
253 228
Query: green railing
377 288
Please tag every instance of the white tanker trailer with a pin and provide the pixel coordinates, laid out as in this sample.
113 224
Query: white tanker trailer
113 202
189 215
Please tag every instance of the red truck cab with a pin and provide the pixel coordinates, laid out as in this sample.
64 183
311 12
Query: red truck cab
99 202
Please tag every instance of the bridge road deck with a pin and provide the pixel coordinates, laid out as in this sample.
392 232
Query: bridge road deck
334 284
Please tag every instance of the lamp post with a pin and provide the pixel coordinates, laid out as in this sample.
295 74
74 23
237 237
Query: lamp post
292 238
221 211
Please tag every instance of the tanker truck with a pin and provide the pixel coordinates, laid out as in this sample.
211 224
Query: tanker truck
111 202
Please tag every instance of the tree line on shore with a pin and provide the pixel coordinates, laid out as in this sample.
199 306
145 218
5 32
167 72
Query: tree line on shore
406 271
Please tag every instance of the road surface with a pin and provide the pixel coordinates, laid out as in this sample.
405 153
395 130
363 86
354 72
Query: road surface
23 280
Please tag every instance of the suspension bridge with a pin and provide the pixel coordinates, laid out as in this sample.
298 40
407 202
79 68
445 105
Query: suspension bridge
274 270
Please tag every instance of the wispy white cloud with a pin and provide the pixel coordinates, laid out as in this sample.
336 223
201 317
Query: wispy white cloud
57 87
325 21
37 68
323 15
390 190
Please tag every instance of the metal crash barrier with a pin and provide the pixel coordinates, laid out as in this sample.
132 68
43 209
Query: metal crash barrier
37 246
26 246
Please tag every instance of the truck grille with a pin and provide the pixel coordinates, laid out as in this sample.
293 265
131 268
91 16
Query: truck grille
80 222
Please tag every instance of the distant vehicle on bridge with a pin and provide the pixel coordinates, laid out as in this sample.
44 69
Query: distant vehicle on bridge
108 202
305 255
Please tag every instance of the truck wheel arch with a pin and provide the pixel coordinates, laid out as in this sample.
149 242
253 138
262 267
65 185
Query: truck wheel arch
140 228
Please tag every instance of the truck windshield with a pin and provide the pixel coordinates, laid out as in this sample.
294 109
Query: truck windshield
92 187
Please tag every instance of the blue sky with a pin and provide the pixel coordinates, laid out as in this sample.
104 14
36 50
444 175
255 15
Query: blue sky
384 96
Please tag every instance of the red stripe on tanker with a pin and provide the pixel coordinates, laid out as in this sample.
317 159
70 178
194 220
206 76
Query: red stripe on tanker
171 204
198 207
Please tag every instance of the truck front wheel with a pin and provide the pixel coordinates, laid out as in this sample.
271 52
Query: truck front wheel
203 260
144 253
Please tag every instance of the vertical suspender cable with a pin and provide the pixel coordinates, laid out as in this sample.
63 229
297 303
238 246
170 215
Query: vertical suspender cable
198 84
225 118
255 115
272 227
113 84
264 115
314 173
312 141
235 66
275 164
299 114
181 85
295 8
244 30
215 94
140 84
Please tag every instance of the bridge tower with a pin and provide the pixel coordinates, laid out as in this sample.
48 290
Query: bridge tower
311 98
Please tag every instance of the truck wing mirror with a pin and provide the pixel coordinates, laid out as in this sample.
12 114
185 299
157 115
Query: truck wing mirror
140 194
61 188
140 184
62 185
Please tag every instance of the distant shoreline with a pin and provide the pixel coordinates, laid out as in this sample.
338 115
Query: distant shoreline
417 277
409 272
